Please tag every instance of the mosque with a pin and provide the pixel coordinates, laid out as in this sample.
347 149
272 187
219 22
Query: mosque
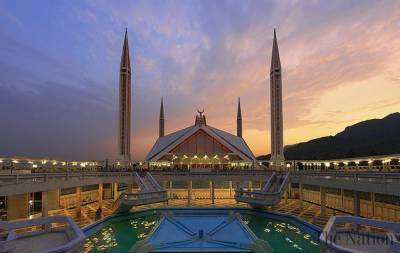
201 146
34 192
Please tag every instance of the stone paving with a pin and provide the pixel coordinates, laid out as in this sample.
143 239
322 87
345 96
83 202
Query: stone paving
310 212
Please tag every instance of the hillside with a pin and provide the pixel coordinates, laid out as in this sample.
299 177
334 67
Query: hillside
370 137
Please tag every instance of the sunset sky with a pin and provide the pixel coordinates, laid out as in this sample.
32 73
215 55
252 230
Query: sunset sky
59 65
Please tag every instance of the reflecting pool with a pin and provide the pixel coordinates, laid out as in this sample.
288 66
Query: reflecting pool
119 234
282 236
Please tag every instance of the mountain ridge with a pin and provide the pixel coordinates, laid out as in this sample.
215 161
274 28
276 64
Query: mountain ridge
365 138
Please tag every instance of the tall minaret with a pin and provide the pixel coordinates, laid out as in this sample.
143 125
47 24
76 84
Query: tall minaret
161 123
124 133
276 106
239 121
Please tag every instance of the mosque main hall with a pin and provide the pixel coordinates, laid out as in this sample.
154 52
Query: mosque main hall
201 146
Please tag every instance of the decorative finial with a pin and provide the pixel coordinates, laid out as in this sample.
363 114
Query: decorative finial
200 112
200 118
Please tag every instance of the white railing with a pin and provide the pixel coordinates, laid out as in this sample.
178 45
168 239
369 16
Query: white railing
141 183
268 183
12 179
213 173
45 177
134 197
268 196
128 199
373 177
351 224
151 192
378 177
9 239
154 182
147 182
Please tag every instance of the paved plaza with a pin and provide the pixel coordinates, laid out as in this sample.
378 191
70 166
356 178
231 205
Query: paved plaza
310 212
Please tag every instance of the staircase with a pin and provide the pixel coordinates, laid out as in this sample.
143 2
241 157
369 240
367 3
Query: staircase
270 195
150 192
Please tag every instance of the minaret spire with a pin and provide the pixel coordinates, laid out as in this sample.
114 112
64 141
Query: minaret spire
124 131
125 60
239 120
275 59
161 122
277 156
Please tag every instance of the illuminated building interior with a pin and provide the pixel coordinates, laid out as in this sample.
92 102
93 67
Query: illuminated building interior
201 147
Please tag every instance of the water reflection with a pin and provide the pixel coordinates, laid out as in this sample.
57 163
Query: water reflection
103 240
121 234
282 236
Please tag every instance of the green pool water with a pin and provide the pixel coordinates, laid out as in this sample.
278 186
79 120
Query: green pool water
282 236
120 234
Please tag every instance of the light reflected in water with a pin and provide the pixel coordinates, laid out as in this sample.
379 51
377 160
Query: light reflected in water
282 236
121 235
103 240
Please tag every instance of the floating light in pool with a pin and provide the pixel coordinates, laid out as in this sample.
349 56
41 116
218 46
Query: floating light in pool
297 247
282 232
104 240
288 240
282 225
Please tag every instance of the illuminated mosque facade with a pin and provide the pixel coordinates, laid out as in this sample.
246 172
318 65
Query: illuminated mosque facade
201 146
